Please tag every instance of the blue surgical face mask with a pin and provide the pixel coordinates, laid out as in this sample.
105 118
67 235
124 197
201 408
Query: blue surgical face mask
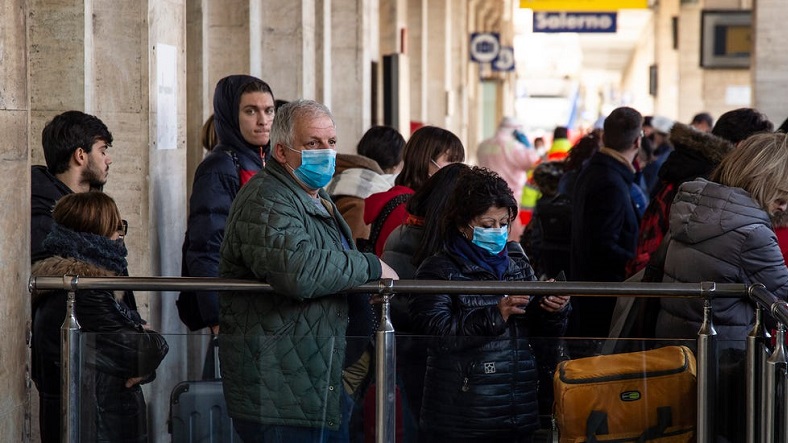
317 167
493 240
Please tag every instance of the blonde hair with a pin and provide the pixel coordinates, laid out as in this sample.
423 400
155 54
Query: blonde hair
94 212
759 165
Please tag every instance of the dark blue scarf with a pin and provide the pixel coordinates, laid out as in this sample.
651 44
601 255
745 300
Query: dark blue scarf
90 248
472 254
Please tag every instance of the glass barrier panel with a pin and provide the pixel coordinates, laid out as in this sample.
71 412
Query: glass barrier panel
460 388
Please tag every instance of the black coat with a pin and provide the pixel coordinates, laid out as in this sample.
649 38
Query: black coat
116 348
45 191
604 239
482 375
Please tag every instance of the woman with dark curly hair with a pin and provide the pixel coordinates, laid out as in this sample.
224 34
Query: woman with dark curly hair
482 374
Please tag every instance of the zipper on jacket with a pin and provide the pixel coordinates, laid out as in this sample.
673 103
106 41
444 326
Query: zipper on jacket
466 380
262 156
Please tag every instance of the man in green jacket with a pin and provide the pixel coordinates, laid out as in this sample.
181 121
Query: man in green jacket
283 354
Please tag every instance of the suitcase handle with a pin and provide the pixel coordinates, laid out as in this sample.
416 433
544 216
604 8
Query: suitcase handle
596 424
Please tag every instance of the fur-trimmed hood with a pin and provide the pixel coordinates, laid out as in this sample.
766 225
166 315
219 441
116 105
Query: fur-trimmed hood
58 266
705 143
696 154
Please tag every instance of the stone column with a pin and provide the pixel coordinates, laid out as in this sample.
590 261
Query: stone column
417 47
163 143
769 60
351 70
15 222
690 84
284 38
666 57
439 62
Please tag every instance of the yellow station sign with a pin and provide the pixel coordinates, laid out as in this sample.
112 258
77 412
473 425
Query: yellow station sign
583 5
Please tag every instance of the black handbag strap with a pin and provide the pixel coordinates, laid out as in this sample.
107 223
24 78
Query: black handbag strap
655 269
596 424
380 220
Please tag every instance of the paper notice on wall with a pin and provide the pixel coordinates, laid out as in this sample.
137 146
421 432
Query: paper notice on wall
738 95
166 97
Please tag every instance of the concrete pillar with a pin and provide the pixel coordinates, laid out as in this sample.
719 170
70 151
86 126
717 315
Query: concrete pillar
351 69
284 37
439 61
218 41
393 20
416 48
228 27
666 58
323 90
635 77
198 97
15 245
164 145
458 55
769 62
690 85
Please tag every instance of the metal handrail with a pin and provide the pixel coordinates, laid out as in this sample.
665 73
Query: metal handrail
767 371
385 357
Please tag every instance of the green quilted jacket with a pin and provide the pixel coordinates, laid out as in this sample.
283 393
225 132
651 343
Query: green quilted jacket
282 353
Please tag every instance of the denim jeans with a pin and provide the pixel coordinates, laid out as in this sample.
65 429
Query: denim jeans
251 432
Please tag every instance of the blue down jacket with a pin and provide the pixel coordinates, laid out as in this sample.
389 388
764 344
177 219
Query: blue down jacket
482 373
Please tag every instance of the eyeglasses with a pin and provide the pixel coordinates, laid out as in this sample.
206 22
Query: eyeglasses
123 228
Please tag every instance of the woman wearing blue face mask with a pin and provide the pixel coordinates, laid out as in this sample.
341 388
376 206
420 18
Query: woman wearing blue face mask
482 374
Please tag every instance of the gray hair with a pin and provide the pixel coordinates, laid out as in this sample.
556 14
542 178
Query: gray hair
284 121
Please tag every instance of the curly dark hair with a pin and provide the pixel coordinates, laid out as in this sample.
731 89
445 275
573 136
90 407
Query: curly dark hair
476 191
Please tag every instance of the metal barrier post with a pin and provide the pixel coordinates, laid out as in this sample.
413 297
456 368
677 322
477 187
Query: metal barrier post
755 349
385 370
70 366
774 365
707 373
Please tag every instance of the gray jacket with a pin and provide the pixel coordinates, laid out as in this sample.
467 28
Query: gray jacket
719 234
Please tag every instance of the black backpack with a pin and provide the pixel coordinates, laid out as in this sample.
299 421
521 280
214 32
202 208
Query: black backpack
553 235
368 245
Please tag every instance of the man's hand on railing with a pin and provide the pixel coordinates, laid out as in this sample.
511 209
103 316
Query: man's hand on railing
387 271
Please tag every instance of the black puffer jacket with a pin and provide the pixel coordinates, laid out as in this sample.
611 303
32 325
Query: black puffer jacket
482 374
117 349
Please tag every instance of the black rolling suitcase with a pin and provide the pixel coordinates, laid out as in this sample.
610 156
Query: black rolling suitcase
198 412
